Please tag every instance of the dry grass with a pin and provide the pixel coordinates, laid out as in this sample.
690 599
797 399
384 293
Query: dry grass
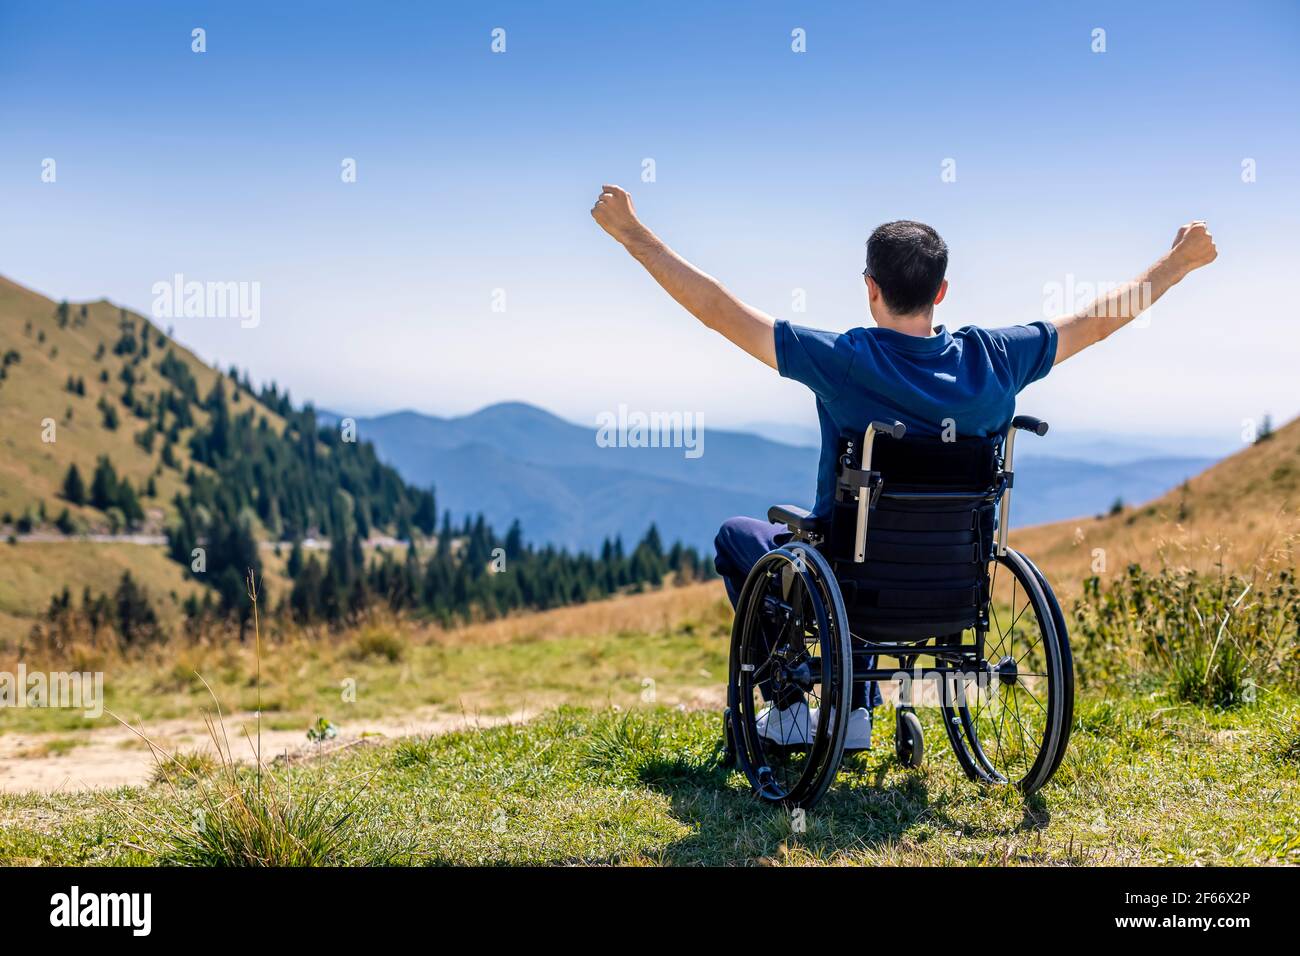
601 651
624 614
1241 513
31 573
239 817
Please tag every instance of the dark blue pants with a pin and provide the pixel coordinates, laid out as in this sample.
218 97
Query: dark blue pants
739 544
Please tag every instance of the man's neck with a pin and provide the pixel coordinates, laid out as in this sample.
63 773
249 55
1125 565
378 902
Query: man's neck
921 326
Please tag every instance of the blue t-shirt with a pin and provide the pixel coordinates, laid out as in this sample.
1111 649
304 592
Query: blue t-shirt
971 377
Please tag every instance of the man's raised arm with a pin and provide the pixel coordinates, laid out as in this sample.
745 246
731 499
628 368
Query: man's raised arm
1193 247
697 292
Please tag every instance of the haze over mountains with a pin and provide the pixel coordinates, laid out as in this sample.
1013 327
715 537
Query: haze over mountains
120 390
192 482
515 460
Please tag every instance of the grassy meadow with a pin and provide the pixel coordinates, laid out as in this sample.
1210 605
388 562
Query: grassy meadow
609 653
1143 783
591 734
616 758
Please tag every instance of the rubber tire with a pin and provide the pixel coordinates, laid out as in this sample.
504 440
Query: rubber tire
828 749
957 720
909 742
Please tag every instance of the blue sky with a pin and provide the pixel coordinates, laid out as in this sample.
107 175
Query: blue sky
475 172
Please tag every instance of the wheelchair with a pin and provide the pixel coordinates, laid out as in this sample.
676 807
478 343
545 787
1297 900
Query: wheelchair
911 565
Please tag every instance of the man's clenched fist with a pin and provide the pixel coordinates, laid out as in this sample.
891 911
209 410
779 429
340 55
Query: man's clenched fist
1194 246
615 213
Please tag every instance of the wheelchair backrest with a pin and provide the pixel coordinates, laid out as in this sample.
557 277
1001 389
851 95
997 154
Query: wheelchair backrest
930 535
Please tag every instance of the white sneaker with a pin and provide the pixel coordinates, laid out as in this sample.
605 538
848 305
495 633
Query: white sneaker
859 735
788 727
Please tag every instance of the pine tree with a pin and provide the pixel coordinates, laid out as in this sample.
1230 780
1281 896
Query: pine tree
426 513
103 486
110 415
74 489
129 505
514 547
135 617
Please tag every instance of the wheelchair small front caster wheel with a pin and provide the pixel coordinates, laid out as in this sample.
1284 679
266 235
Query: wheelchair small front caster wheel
909 746
728 741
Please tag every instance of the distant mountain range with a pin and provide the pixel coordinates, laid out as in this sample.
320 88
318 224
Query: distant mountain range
518 461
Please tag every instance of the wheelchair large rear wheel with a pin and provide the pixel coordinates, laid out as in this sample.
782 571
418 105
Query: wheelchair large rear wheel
1009 721
790 632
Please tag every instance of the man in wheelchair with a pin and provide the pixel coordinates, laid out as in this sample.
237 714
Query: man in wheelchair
938 383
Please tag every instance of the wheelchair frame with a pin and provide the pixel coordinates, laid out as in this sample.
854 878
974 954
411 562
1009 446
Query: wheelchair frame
845 658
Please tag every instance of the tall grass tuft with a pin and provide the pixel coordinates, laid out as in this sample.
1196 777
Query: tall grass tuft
184 767
1282 737
242 817
636 747
1212 639
238 825
628 743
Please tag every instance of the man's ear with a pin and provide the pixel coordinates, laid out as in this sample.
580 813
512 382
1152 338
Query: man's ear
873 289
943 290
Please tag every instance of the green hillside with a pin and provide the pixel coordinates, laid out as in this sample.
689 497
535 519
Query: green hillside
114 431
163 446
44 348
47 346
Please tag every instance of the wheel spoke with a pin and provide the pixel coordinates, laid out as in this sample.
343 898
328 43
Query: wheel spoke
1003 733
786 640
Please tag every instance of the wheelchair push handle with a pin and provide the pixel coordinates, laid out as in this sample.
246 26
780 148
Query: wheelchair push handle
895 430
1026 423
1030 424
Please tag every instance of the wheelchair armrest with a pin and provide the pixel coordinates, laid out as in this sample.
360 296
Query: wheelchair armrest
799 519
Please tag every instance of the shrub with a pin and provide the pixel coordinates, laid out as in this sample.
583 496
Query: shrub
1211 639
378 642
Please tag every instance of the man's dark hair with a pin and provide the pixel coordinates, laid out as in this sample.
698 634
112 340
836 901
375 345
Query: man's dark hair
907 260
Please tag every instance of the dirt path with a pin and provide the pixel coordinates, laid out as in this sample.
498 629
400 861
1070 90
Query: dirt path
113 756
